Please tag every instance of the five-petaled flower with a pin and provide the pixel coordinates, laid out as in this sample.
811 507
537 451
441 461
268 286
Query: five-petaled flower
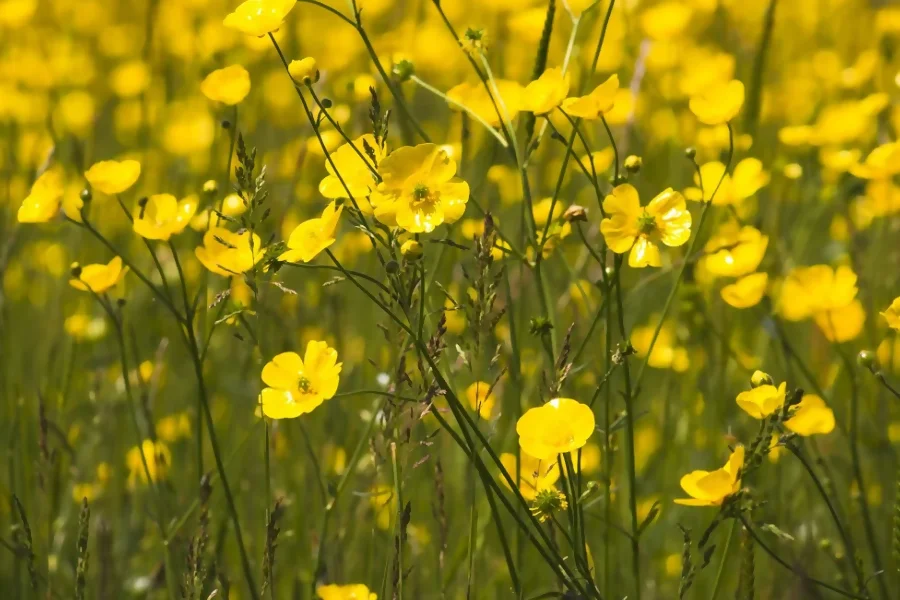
312 236
711 488
299 385
561 425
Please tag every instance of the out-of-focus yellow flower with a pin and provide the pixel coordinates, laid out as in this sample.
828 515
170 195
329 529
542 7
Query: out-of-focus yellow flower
384 503
130 79
312 236
259 17
666 20
480 400
734 250
298 386
113 176
711 488
476 98
763 400
98 277
599 102
419 190
304 70
882 163
162 216
666 353
226 253
746 291
158 458
892 314
355 169
601 159
42 203
83 327
546 92
353 591
630 227
534 475
842 324
811 416
719 103
174 427
228 86
747 178
819 288
561 425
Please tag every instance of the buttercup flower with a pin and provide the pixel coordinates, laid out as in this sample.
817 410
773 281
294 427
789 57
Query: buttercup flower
355 168
418 191
747 178
734 250
546 92
354 591
892 314
476 98
312 236
746 291
259 17
158 458
226 253
42 203
480 400
630 227
718 103
666 354
842 324
304 70
98 277
811 416
882 163
810 290
298 386
561 425
600 101
711 488
533 475
162 216
113 176
228 86
763 400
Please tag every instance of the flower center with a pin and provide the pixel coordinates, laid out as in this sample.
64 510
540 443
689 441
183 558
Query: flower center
646 224
305 385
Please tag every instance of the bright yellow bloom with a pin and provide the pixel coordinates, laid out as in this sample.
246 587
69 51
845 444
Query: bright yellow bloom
711 488
842 324
226 253
719 103
892 314
99 277
561 425
819 288
303 70
476 98
158 458
734 250
42 203
534 475
163 216
546 92
811 416
312 236
882 163
113 176
297 386
228 86
746 291
419 190
763 400
353 169
600 101
630 227
747 178
259 17
354 591
480 400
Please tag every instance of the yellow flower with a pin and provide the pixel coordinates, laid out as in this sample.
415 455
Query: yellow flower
718 103
384 503
479 398
746 291
174 427
629 226
162 216
355 591
259 17
811 416
892 314
228 86
842 324
534 475
304 70
312 236
113 176
99 277
158 458
419 190
561 425
297 386
882 163
354 168
546 92
747 178
42 203
763 400
666 353
476 98
735 251
600 101
226 253
819 288
711 488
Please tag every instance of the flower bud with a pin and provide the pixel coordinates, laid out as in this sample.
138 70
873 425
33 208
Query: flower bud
575 213
403 70
867 360
75 270
633 163
690 153
392 267
86 195
304 70
759 378
210 186
411 249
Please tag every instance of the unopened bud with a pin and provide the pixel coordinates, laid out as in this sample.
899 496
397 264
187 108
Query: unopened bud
759 378
867 359
575 213
411 249
633 163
